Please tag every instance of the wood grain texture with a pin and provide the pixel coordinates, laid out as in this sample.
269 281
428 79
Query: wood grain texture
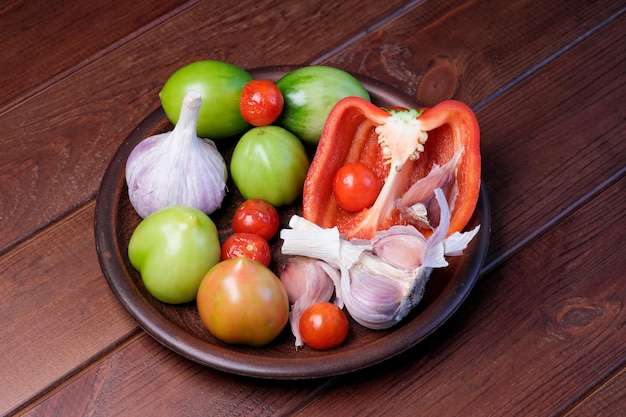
35 55
469 50
609 400
60 300
542 334
54 165
192 389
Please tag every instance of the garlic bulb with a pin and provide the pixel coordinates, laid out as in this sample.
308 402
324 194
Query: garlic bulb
382 279
177 167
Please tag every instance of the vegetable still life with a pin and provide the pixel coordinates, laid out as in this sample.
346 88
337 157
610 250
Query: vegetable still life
294 225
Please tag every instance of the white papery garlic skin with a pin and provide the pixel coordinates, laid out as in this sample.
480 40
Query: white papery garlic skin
416 204
177 167
377 286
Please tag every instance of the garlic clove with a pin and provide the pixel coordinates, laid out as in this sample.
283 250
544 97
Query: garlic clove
400 246
306 277
307 281
177 167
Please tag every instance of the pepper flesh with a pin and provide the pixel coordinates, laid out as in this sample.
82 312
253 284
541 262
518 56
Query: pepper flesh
400 151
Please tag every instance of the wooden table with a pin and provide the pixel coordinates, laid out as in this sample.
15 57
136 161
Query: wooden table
543 331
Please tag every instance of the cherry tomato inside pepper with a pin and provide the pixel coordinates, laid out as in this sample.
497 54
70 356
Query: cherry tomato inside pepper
356 186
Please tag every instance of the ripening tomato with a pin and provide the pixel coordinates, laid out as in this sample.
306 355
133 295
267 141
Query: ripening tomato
248 245
261 102
356 186
241 301
323 326
256 216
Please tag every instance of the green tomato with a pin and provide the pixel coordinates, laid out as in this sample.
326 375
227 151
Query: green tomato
220 85
241 301
269 163
173 248
310 93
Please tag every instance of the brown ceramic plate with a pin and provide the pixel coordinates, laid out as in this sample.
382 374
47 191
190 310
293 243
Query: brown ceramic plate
179 327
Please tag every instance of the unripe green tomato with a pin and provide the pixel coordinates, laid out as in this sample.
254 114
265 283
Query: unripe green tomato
220 85
269 163
173 248
309 95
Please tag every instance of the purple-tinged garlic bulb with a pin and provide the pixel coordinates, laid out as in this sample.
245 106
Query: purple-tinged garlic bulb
177 167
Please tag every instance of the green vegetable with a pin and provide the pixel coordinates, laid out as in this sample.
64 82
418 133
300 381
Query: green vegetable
173 248
220 85
310 93
269 163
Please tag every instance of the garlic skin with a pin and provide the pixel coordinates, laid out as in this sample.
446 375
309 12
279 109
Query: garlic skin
177 167
307 281
384 279
418 204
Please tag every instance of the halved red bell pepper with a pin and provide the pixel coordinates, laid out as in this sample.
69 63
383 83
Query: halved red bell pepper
402 147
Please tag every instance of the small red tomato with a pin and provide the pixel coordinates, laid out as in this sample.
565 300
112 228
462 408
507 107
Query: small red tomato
247 245
356 187
261 102
323 326
256 216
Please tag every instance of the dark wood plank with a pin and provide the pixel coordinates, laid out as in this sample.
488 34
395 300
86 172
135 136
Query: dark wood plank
534 335
44 41
530 175
131 383
471 50
609 400
53 292
58 161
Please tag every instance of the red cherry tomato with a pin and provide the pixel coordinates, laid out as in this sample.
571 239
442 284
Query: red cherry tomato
261 102
356 187
247 245
323 326
256 216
